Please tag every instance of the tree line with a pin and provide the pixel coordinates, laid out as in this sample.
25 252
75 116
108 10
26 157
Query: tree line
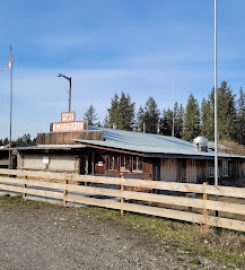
24 140
182 122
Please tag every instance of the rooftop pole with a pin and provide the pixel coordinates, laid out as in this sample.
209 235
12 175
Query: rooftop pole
215 96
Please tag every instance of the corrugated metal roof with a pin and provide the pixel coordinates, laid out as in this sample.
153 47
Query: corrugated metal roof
149 144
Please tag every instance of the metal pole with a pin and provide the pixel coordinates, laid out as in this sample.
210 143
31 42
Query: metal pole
215 96
11 110
69 108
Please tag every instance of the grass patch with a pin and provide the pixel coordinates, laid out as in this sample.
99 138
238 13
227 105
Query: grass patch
221 246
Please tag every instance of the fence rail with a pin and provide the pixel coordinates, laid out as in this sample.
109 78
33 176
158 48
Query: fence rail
117 193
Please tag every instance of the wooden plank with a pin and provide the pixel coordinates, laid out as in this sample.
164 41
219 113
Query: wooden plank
36 183
41 193
94 202
162 212
227 223
94 190
185 216
12 188
233 208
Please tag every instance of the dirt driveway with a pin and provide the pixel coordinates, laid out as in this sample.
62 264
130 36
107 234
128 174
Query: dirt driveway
37 236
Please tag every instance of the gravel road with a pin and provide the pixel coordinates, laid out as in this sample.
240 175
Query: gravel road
36 236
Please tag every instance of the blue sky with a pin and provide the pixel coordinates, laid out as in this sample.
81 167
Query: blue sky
159 48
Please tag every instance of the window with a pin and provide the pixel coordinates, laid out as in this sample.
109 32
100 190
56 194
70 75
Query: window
137 164
125 163
211 172
225 168
112 163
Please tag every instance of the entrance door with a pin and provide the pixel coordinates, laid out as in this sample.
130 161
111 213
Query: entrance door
84 165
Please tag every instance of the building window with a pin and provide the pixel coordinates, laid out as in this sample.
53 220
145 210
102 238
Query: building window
112 163
211 172
125 163
225 168
137 164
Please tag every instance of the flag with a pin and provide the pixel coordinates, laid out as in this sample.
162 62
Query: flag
10 58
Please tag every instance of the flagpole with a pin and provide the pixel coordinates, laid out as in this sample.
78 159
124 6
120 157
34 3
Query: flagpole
11 107
215 97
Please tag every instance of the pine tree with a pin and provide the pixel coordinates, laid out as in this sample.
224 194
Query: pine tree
192 119
140 119
121 112
126 112
227 116
90 115
241 118
113 112
151 116
207 119
179 120
166 122
226 112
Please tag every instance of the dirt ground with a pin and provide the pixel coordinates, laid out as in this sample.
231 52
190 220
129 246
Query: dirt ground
43 236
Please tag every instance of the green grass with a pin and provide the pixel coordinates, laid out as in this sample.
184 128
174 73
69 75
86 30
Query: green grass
222 246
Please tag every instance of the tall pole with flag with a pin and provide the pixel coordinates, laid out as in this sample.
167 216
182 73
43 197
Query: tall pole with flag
10 66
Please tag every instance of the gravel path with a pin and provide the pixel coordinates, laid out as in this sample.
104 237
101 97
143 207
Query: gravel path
51 237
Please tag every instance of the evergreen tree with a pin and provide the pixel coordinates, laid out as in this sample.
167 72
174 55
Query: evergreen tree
140 119
226 112
179 120
241 118
113 112
126 112
207 119
192 119
151 116
121 112
91 115
166 122
5 141
227 117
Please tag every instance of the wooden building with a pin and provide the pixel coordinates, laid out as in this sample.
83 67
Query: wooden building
131 154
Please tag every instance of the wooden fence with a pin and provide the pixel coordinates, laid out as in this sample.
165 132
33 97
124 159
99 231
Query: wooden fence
196 203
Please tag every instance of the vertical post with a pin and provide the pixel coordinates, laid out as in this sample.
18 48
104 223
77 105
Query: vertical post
25 187
205 210
11 107
122 199
65 192
69 106
215 96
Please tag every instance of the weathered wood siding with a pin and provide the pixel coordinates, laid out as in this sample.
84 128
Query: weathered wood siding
168 170
182 170
68 137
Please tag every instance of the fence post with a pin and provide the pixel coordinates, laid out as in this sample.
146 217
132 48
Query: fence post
205 210
65 191
122 189
25 187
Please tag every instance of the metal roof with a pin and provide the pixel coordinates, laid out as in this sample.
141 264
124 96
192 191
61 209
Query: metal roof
51 146
149 144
